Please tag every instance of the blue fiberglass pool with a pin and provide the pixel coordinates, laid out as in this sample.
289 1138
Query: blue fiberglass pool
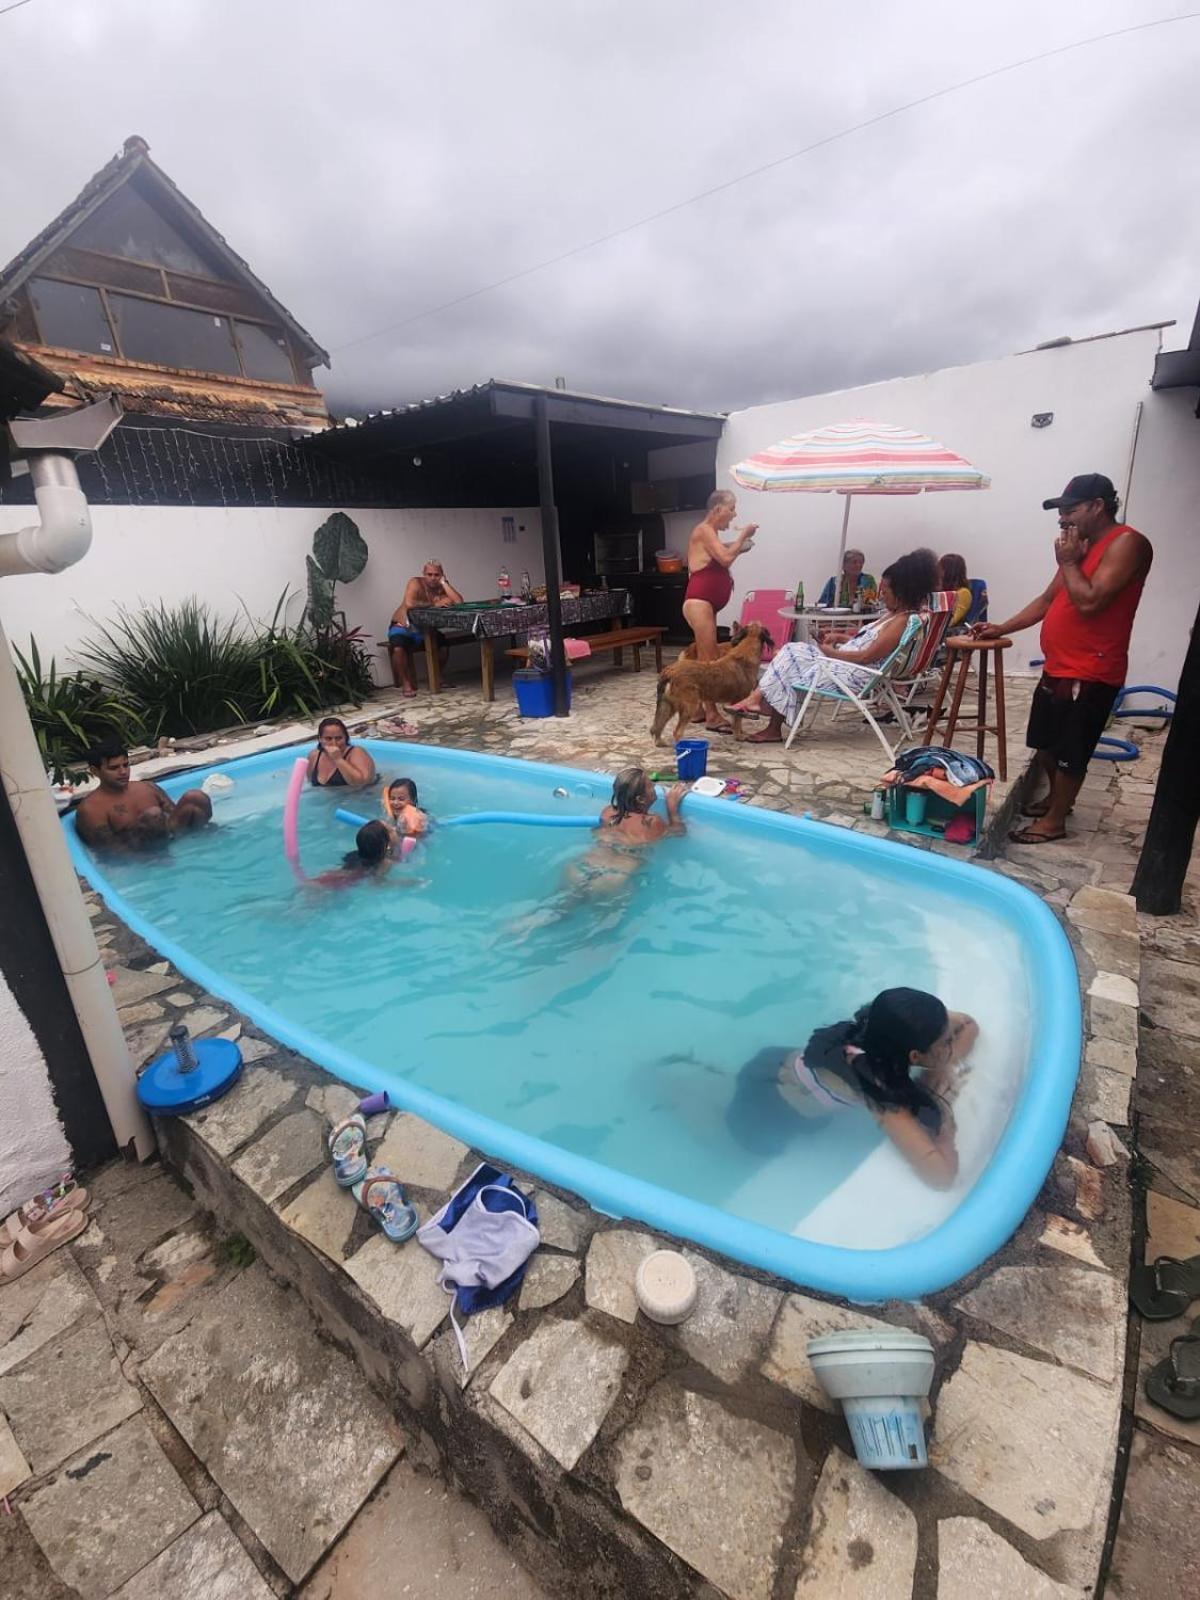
598 1044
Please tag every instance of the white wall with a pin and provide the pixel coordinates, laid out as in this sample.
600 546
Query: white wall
230 555
984 412
33 1147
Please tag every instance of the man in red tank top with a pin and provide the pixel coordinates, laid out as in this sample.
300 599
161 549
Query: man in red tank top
1086 613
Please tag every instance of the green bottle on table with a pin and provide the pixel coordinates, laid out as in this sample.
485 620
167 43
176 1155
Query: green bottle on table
800 595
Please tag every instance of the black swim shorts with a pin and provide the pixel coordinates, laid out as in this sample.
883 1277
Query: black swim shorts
1067 718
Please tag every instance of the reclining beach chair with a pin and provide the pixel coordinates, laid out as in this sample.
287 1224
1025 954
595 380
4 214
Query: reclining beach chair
925 668
763 606
881 695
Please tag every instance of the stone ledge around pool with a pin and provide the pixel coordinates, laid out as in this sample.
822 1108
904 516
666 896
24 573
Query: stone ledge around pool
621 1458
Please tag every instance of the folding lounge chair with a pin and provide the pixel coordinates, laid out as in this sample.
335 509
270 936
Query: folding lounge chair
880 695
763 606
925 668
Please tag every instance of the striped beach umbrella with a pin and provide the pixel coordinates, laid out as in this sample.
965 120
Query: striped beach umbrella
857 457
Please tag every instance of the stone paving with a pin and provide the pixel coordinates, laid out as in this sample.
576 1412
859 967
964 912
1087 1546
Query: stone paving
613 1456
177 1427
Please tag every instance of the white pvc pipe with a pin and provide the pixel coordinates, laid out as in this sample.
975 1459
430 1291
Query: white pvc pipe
64 534
50 548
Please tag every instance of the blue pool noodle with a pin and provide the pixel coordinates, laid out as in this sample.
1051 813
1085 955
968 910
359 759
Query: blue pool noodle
529 818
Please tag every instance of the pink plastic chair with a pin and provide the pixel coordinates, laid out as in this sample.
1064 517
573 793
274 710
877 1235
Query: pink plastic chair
763 606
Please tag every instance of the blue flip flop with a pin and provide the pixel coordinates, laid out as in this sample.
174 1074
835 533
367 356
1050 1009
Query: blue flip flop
381 1196
348 1150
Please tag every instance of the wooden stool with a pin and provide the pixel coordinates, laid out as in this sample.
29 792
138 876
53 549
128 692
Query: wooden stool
961 652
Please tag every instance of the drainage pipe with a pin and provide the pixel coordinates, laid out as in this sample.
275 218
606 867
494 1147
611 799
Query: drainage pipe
61 537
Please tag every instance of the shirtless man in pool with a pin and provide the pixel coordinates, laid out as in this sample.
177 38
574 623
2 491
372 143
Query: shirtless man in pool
710 584
132 814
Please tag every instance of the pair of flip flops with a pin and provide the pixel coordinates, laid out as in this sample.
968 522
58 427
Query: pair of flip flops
39 1227
376 1189
1160 1290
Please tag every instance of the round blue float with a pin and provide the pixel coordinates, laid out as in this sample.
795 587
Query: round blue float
167 1088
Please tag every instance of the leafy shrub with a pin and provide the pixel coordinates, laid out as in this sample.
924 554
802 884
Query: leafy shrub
302 669
186 670
70 712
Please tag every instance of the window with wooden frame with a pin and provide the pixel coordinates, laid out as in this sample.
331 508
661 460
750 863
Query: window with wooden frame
95 295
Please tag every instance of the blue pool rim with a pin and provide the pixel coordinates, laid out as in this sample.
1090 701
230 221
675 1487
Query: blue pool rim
986 1218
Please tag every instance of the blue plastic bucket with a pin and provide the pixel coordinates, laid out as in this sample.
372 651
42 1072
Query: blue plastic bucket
691 758
535 692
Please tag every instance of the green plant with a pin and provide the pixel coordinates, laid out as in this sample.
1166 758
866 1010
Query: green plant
339 554
185 669
70 711
302 669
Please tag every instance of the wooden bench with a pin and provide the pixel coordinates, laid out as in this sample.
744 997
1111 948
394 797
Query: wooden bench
615 641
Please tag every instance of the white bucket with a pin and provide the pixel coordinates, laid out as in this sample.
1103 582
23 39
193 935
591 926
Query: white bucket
881 1379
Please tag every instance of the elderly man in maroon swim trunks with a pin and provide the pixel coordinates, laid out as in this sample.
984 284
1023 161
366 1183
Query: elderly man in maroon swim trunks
710 583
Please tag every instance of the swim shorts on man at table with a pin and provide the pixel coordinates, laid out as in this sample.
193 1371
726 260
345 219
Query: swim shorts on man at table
1067 718
398 634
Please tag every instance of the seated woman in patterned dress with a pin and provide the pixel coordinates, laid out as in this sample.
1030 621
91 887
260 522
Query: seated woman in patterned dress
904 587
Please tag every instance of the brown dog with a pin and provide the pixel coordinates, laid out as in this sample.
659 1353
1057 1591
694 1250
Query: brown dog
687 683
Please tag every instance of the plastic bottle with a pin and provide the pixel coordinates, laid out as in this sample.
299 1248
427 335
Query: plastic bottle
526 587
504 583
877 806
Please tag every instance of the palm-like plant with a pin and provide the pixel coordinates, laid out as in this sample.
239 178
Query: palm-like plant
188 671
70 712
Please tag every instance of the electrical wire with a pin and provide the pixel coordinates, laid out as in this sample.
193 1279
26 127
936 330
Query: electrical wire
755 172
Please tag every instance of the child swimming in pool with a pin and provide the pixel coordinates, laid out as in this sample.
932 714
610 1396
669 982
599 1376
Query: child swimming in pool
401 810
900 1058
370 858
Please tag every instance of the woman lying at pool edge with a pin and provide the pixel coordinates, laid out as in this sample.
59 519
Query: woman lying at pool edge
899 1058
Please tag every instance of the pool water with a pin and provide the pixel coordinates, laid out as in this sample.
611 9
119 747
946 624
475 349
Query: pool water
613 1032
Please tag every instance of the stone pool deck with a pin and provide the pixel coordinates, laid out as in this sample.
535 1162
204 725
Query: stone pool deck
613 1457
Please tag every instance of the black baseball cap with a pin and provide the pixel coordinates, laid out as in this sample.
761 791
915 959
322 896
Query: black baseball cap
1088 486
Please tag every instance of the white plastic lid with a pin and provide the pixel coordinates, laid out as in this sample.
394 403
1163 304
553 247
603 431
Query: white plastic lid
665 1286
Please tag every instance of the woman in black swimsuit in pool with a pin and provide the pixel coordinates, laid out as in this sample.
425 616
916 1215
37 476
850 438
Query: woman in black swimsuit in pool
336 763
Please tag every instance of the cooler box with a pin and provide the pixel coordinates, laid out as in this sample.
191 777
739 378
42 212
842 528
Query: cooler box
535 692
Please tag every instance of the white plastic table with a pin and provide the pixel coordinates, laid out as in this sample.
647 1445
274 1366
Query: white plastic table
807 615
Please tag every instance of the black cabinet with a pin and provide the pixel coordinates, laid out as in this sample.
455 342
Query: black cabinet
658 601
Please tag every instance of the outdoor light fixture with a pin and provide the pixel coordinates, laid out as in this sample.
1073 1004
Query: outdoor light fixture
1041 419
416 461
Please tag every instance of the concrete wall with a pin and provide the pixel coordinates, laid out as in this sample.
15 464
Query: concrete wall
33 1147
984 412
230 556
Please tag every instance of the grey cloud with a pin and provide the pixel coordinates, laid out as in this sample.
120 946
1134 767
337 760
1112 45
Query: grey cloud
375 159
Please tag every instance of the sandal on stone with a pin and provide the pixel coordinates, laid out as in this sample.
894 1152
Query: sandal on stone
53 1202
1165 1288
24 1252
381 1197
1174 1384
348 1150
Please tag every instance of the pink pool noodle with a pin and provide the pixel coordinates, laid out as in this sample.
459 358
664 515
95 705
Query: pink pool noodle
291 812
407 845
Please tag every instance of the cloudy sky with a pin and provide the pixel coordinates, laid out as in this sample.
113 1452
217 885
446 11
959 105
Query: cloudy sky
374 159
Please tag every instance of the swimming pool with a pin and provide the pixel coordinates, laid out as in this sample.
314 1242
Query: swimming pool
601 1051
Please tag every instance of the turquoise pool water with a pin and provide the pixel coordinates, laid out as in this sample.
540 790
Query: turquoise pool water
611 1039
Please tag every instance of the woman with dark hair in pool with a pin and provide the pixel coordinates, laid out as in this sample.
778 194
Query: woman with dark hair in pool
336 763
899 1058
